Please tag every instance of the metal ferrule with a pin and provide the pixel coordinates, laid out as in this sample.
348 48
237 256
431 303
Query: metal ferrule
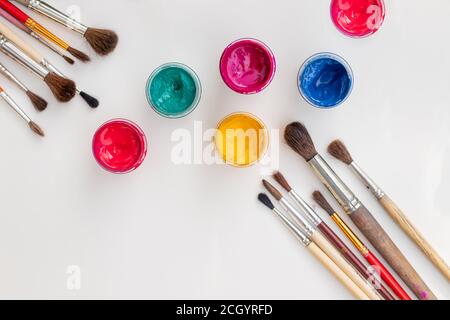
11 77
54 14
46 43
310 213
21 57
308 228
300 235
368 182
335 185
14 105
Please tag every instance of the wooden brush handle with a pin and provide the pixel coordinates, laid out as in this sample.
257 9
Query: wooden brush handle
337 272
13 37
403 222
347 268
373 231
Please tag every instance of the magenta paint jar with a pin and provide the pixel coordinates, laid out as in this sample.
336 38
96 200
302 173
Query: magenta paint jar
247 66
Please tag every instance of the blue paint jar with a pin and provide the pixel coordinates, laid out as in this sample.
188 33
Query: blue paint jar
325 80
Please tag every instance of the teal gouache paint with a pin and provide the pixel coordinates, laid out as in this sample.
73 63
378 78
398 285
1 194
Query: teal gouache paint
173 90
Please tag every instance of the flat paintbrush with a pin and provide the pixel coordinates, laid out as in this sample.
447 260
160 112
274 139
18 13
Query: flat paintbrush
33 126
298 138
314 249
340 151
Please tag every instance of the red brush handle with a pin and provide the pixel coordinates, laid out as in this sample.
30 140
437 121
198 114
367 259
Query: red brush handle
14 11
387 277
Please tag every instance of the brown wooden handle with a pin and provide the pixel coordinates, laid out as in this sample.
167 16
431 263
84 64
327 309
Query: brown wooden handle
373 231
402 221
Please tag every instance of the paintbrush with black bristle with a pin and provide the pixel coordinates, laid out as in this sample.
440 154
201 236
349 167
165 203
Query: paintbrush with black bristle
39 103
63 89
305 240
338 150
103 41
31 124
299 139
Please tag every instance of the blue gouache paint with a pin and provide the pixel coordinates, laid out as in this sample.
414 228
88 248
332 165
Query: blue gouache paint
325 80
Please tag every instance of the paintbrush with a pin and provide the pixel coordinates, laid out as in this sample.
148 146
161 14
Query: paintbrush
37 57
39 103
33 126
332 236
300 141
63 89
314 249
101 40
33 34
41 30
340 151
323 243
362 248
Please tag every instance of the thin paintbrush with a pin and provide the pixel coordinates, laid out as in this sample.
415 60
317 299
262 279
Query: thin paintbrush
323 243
340 151
332 236
36 27
39 103
42 40
101 40
37 57
314 249
365 252
63 89
298 138
33 126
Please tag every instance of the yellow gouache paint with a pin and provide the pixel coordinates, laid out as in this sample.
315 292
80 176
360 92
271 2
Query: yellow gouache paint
241 139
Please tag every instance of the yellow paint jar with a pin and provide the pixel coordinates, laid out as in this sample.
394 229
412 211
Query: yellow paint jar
241 139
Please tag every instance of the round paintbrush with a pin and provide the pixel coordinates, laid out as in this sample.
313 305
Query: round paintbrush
340 151
323 243
41 30
39 103
299 139
33 126
314 249
101 40
37 57
44 41
332 236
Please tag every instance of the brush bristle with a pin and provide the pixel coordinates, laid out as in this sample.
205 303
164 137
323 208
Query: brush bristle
273 191
36 129
101 40
78 54
323 203
90 100
282 181
39 103
63 89
298 138
338 150
264 198
69 59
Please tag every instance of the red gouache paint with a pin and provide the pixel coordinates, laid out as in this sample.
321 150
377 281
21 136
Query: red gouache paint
119 146
358 18
247 66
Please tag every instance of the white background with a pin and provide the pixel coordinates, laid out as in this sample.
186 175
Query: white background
197 231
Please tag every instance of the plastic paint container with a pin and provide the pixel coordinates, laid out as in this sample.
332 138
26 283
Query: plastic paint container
247 66
173 90
358 18
119 146
325 80
241 139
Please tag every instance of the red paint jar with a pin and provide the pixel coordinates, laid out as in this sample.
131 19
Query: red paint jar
119 146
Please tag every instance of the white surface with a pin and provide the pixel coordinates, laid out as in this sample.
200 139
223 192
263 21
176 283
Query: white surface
198 231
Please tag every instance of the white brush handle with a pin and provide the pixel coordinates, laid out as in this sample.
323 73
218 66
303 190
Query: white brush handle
337 272
347 268
13 37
